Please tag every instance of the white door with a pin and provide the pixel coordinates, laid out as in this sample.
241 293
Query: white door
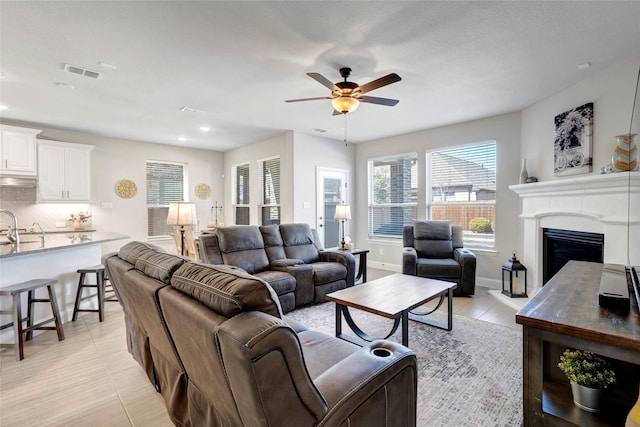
332 190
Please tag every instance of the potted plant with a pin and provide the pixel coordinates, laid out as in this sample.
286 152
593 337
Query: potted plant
589 375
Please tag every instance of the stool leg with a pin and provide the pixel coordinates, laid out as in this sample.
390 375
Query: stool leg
17 326
56 312
100 283
78 298
29 314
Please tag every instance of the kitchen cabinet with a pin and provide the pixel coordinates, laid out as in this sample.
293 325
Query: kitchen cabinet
18 150
64 171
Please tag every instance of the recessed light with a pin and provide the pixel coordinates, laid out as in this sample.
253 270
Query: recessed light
584 66
3 107
182 139
65 85
190 110
205 128
319 130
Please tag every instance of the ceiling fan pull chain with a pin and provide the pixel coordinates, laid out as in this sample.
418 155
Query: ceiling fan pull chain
345 130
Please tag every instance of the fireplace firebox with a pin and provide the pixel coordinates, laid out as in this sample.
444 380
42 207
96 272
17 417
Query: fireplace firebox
561 246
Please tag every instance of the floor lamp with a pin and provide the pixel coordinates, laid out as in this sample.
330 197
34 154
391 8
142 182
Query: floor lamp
182 214
343 213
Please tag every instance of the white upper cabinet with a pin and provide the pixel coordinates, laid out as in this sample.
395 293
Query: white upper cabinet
18 150
64 173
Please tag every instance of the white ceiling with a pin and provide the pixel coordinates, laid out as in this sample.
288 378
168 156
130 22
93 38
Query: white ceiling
236 62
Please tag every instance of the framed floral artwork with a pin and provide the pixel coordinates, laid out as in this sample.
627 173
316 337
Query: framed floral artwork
573 139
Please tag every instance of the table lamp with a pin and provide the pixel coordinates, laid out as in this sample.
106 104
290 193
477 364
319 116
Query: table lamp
182 214
343 213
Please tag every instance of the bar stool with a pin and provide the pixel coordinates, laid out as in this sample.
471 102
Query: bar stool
110 294
98 270
16 291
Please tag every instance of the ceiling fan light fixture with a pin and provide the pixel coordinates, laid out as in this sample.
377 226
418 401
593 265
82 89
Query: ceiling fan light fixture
345 104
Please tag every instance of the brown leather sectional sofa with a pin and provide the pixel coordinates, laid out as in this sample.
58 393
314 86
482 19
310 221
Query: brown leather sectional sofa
287 256
214 342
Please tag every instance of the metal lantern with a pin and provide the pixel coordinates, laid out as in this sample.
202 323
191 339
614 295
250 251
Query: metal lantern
516 278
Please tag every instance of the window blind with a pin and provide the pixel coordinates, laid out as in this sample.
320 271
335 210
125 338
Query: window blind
462 186
393 189
270 186
165 184
241 196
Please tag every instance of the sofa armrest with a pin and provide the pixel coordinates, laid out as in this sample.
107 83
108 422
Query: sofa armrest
303 274
467 261
357 386
286 262
409 260
345 258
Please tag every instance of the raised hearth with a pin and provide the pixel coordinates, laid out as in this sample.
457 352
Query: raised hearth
592 204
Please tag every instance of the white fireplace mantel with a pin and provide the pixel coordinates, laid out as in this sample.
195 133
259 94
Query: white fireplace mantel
607 204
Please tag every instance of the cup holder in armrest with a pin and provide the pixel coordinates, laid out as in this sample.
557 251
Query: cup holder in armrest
381 352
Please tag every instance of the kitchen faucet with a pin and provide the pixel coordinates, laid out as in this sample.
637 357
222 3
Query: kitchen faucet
41 231
12 234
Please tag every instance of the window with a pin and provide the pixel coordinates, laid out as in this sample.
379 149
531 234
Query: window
270 185
393 190
461 186
241 196
165 184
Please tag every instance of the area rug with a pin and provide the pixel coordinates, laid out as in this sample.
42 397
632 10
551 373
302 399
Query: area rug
470 376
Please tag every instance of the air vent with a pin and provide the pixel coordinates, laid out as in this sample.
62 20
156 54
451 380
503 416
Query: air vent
82 71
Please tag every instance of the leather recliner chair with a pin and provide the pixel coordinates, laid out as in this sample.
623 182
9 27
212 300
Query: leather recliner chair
434 249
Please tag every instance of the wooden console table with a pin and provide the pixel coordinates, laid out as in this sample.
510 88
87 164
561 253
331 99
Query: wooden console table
565 314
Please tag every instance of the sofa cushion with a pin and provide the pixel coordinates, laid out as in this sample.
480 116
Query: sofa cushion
226 290
296 234
132 250
438 268
240 238
280 281
159 265
273 244
434 248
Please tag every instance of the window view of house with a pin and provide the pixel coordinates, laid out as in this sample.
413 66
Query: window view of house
270 185
241 196
393 190
165 184
461 185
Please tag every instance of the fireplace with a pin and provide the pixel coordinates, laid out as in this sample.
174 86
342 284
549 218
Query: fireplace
561 246
598 204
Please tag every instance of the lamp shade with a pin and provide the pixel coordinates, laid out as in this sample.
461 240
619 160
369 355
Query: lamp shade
182 213
345 104
342 212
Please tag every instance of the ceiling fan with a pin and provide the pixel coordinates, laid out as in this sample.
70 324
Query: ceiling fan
346 96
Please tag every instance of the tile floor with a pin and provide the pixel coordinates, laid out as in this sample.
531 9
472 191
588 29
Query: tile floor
89 379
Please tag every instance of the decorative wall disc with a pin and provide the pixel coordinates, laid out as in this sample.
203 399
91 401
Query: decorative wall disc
126 188
203 191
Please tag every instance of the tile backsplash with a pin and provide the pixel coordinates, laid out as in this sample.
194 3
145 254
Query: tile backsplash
22 203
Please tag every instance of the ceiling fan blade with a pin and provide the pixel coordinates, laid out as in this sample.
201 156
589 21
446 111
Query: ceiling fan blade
308 99
382 81
381 101
322 80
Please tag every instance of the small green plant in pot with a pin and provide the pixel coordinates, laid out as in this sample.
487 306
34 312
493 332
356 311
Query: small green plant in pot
589 375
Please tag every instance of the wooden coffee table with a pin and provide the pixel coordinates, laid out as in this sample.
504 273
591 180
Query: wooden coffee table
393 297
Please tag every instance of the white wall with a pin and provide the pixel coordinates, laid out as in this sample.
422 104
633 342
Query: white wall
309 154
115 159
505 130
279 146
611 91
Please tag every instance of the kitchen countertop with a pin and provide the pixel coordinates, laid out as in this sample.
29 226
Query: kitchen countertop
32 243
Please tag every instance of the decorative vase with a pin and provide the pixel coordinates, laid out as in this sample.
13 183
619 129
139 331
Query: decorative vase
523 172
633 419
589 399
625 155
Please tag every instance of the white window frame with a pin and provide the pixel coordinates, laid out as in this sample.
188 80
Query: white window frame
264 203
372 205
234 190
185 185
471 239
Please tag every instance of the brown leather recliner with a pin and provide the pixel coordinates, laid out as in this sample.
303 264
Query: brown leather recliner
247 365
434 249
